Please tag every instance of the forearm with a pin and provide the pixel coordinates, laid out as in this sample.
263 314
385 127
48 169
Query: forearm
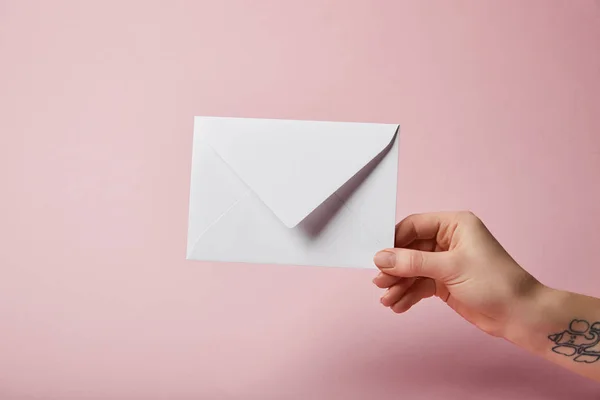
562 327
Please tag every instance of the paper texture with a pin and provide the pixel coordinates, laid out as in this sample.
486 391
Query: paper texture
292 192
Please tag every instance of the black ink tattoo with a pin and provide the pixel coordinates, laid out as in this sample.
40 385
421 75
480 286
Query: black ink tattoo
581 340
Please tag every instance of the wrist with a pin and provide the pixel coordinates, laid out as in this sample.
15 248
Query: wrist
537 315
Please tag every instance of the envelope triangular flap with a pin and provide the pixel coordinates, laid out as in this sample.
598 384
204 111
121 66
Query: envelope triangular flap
294 166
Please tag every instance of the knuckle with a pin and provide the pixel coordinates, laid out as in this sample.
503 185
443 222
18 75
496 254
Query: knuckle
469 217
415 262
406 219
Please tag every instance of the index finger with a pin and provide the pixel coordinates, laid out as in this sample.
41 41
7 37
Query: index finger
428 226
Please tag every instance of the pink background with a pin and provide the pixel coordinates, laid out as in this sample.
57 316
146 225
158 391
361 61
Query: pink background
499 103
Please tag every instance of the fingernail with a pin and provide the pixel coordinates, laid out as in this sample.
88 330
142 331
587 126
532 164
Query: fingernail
383 298
377 277
385 259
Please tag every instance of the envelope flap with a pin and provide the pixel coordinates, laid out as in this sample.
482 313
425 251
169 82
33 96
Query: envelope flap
293 166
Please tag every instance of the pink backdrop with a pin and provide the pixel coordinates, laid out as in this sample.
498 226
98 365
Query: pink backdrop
499 103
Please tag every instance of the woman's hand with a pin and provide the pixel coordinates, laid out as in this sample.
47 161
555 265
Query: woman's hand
454 257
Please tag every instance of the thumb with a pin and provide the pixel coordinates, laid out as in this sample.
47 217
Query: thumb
413 263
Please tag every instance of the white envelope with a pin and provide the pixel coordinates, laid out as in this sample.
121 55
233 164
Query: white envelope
292 192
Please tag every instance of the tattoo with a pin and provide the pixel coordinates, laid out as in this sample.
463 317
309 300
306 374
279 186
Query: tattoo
581 340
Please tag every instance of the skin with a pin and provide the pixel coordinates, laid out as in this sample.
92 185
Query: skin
454 257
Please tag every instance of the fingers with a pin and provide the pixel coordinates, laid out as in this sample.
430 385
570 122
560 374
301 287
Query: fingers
424 245
425 226
396 291
408 263
421 289
384 281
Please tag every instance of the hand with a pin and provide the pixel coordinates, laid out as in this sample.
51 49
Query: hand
454 257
